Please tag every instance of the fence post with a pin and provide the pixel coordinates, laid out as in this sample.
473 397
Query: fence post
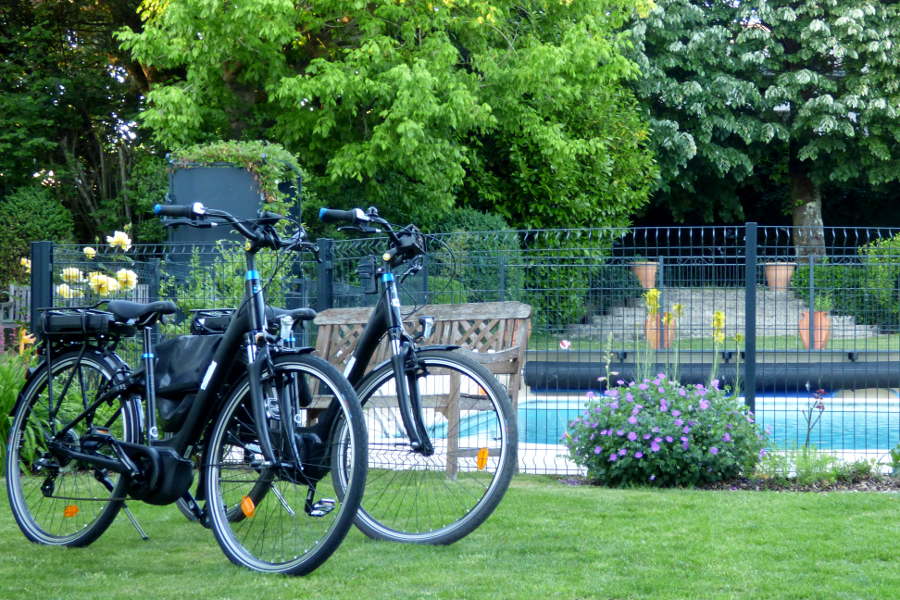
750 258
325 274
153 283
501 271
41 281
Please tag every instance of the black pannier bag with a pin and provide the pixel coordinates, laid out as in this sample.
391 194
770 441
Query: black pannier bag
180 365
208 321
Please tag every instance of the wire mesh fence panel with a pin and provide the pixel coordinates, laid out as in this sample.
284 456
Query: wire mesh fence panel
816 314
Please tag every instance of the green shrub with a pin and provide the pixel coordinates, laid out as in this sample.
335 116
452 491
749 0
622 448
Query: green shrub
842 283
612 284
661 433
12 378
558 274
217 281
881 260
443 290
482 253
868 290
29 214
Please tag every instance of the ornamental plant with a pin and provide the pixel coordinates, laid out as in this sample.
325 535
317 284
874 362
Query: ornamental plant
662 433
101 279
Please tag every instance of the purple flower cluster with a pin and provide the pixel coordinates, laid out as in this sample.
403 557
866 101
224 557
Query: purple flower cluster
660 431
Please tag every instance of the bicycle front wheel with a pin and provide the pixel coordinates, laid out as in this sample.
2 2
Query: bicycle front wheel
55 499
281 518
441 498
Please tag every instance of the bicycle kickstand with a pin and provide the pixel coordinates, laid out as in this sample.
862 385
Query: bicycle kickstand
135 522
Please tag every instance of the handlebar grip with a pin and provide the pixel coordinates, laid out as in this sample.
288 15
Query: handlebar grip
173 210
333 215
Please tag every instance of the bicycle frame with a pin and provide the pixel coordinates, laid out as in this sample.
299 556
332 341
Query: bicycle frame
247 331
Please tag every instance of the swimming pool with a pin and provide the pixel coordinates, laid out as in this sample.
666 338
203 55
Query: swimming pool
850 421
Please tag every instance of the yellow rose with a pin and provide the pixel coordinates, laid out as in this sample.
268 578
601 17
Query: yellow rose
101 284
127 279
26 263
72 274
65 291
89 252
119 239
112 285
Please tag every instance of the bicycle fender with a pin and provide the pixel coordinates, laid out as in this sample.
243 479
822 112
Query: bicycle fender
421 349
439 347
275 351
32 372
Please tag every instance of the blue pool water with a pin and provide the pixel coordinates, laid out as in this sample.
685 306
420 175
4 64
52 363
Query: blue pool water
845 424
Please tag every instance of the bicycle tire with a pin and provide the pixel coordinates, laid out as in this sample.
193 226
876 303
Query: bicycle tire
69 504
439 499
257 512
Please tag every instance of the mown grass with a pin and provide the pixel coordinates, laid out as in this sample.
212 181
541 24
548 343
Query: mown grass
546 540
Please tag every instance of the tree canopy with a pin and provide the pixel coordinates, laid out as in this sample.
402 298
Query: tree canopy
68 97
518 108
810 88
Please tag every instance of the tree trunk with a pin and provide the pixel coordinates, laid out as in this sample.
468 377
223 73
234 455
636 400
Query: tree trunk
806 201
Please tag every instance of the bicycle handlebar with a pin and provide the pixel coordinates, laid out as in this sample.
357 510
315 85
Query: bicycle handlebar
333 215
406 243
177 210
259 231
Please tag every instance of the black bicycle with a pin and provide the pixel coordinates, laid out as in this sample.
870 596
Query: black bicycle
442 432
88 432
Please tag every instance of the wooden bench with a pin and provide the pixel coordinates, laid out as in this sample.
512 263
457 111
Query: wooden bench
495 333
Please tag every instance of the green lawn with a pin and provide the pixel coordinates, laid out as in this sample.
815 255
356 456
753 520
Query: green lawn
546 540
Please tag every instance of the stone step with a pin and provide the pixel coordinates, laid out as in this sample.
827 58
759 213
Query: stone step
777 313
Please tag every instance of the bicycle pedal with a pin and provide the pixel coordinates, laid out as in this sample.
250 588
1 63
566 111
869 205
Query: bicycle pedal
322 507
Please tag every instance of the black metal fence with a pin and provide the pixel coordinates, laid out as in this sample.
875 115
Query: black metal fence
816 354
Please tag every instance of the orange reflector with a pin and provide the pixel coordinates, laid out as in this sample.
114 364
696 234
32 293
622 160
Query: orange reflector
70 511
247 507
481 458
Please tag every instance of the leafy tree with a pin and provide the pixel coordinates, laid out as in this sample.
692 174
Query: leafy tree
67 103
809 85
513 107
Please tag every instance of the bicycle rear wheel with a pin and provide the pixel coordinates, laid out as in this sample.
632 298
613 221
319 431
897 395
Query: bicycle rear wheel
441 498
54 499
276 518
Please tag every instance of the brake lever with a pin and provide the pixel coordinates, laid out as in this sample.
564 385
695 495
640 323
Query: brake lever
177 222
313 248
412 270
359 229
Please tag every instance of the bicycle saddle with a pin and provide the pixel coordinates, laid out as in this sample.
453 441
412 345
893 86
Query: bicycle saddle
298 314
138 313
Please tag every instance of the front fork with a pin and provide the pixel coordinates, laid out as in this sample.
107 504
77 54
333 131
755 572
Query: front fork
288 396
406 372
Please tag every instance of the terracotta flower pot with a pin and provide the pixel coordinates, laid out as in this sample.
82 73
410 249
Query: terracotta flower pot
659 335
778 275
821 329
645 271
